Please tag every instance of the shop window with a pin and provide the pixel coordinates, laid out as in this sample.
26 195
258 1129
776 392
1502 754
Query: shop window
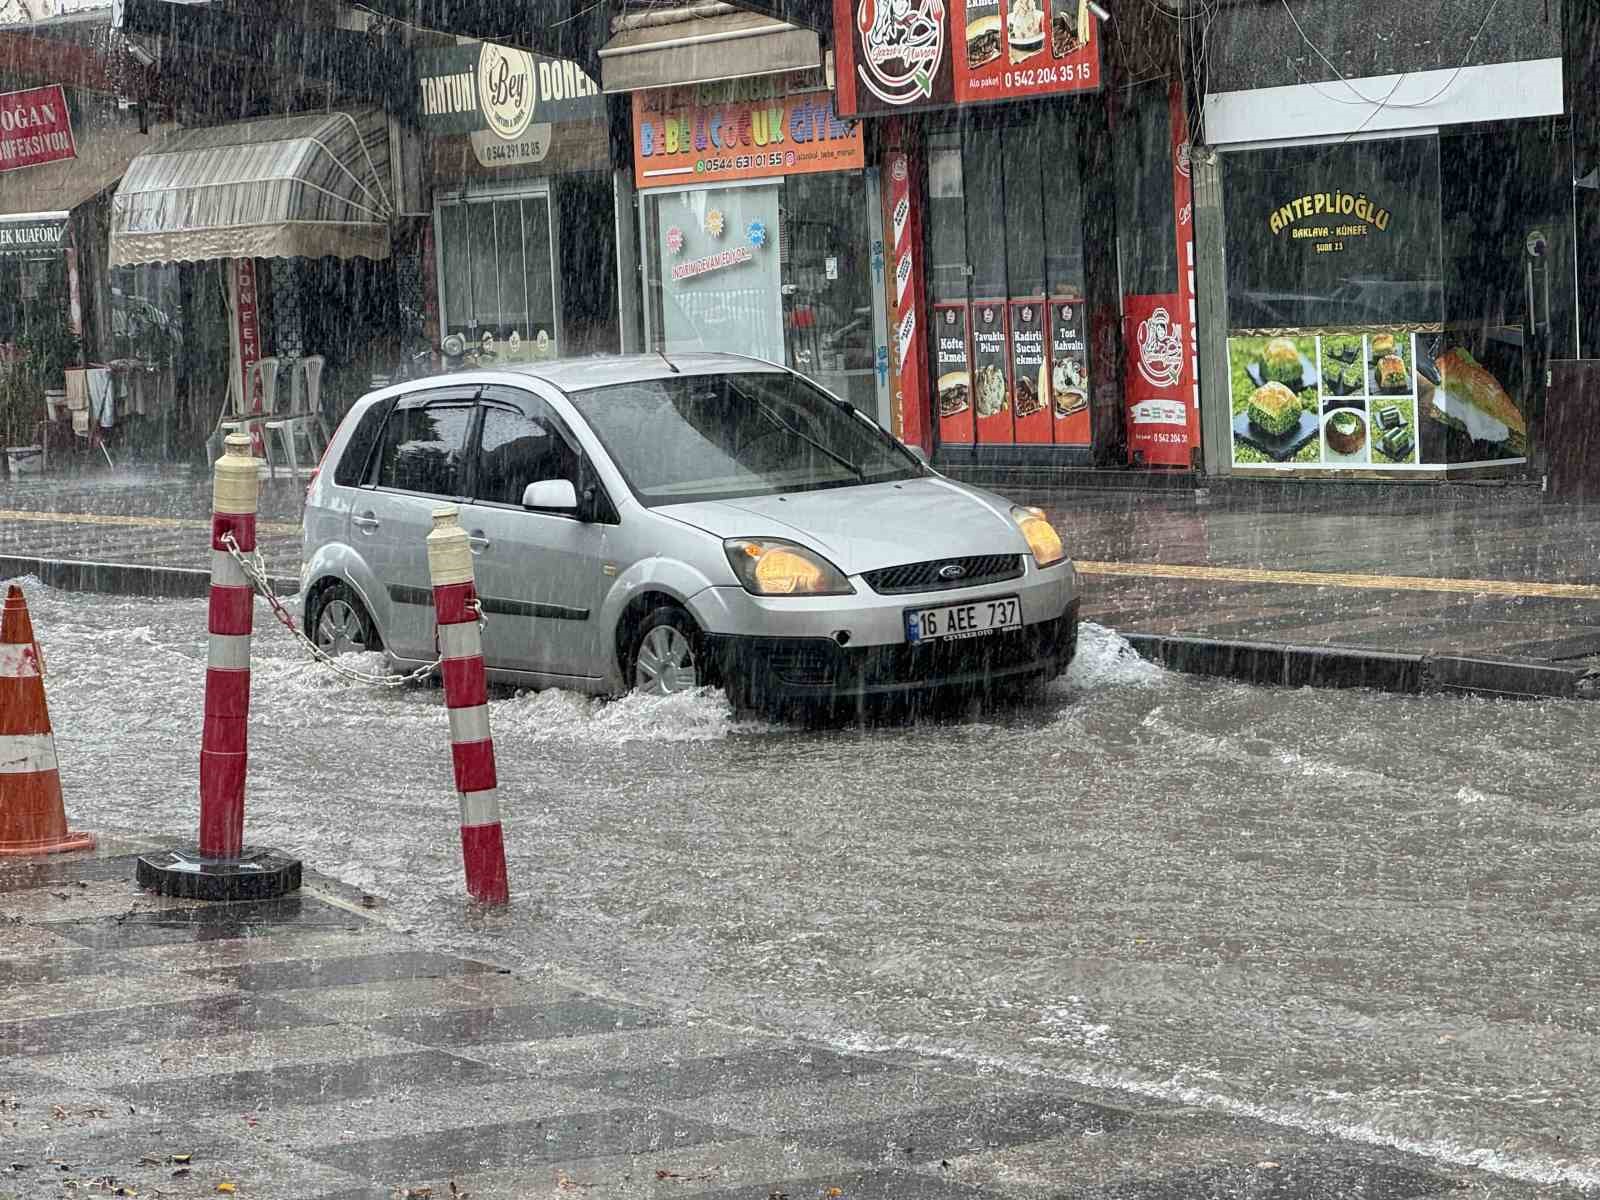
1378 299
497 278
778 270
1147 236
1006 255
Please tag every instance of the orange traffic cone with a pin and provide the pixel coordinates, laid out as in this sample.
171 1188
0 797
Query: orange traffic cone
32 820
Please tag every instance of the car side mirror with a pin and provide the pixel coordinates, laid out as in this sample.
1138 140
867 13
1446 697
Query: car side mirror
554 495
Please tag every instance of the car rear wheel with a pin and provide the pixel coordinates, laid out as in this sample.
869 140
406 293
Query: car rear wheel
339 623
666 656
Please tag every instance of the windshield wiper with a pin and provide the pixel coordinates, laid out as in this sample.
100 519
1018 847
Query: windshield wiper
861 476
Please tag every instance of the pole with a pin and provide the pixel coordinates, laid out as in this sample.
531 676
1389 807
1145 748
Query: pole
466 697
221 866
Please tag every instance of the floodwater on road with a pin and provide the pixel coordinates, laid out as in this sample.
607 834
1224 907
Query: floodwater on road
1375 915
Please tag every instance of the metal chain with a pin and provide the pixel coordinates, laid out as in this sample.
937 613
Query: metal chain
255 570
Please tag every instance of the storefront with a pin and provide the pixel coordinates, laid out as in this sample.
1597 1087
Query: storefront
761 232
1018 233
523 213
1394 292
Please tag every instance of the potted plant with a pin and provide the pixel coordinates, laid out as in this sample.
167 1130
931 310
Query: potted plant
48 349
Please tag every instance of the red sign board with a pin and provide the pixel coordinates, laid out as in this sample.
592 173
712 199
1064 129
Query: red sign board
35 127
678 138
904 55
905 287
1159 380
244 275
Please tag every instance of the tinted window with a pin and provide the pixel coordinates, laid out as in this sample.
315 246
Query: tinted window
423 449
352 468
518 449
691 437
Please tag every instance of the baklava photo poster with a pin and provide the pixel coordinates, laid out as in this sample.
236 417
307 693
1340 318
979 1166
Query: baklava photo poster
1328 399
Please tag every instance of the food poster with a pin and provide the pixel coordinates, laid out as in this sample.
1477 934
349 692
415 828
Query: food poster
1030 381
953 354
1465 411
1276 400
1068 400
902 55
991 383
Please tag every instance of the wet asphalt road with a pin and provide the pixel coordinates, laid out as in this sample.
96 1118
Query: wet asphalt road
1366 914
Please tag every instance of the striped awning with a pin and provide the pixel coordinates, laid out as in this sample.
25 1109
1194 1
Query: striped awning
308 185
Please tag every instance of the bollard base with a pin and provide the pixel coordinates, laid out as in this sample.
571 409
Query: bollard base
257 874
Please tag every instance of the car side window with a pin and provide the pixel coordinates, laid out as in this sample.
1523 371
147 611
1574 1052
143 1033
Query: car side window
423 448
518 447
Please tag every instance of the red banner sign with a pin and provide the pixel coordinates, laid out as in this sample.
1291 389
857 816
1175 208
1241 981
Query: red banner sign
909 54
679 139
1159 380
1183 209
35 127
244 276
904 284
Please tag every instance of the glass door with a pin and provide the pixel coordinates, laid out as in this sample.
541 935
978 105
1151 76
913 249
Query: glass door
497 272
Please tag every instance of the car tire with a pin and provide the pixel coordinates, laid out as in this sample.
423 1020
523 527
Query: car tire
339 623
666 653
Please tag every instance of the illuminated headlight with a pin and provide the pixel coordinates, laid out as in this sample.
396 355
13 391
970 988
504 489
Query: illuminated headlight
1042 537
771 567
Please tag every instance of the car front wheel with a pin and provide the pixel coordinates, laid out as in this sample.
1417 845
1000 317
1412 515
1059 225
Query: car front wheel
338 622
666 656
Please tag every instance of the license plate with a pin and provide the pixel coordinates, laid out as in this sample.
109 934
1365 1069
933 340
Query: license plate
976 618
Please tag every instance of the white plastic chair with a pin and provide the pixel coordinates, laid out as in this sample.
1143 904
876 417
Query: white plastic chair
237 417
303 416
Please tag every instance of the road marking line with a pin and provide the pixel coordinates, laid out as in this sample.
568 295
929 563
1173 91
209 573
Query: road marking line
1385 583
13 514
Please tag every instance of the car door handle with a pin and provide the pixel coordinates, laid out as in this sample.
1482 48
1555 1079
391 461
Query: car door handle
365 521
478 541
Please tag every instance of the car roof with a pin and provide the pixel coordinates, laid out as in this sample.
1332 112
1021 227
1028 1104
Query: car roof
603 370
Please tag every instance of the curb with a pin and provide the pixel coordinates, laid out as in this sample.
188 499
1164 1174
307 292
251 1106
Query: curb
1288 665
123 579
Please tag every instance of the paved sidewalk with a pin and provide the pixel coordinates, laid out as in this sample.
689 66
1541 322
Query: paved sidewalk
1467 571
301 1049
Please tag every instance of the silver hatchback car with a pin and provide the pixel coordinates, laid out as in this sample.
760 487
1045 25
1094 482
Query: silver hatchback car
639 522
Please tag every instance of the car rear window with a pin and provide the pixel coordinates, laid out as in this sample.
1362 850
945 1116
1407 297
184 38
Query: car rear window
422 449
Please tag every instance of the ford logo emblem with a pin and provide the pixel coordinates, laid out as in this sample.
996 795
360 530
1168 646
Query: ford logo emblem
952 571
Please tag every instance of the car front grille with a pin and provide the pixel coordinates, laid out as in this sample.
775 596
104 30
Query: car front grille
821 664
924 576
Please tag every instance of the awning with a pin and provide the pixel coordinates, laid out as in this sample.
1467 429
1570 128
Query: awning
280 187
726 46
33 235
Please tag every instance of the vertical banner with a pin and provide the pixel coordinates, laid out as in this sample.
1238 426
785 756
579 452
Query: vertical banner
1030 386
249 344
1160 380
953 356
1183 211
1069 373
430 288
906 338
991 364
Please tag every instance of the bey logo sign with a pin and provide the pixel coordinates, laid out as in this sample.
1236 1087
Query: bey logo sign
1160 350
505 89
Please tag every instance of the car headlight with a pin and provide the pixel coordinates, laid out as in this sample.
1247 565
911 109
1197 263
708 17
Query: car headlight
1042 537
773 567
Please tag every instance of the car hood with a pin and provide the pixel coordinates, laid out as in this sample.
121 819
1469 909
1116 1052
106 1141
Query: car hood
874 525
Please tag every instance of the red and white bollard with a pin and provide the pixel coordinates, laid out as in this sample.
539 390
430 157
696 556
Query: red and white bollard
466 696
221 867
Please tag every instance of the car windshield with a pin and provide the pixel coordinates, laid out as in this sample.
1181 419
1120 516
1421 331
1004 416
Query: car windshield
714 437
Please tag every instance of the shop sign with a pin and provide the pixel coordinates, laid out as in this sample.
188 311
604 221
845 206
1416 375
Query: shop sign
510 101
696 267
910 353
679 138
38 235
1158 383
1030 390
249 343
1326 220
909 54
1183 222
35 128
1069 373
991 375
